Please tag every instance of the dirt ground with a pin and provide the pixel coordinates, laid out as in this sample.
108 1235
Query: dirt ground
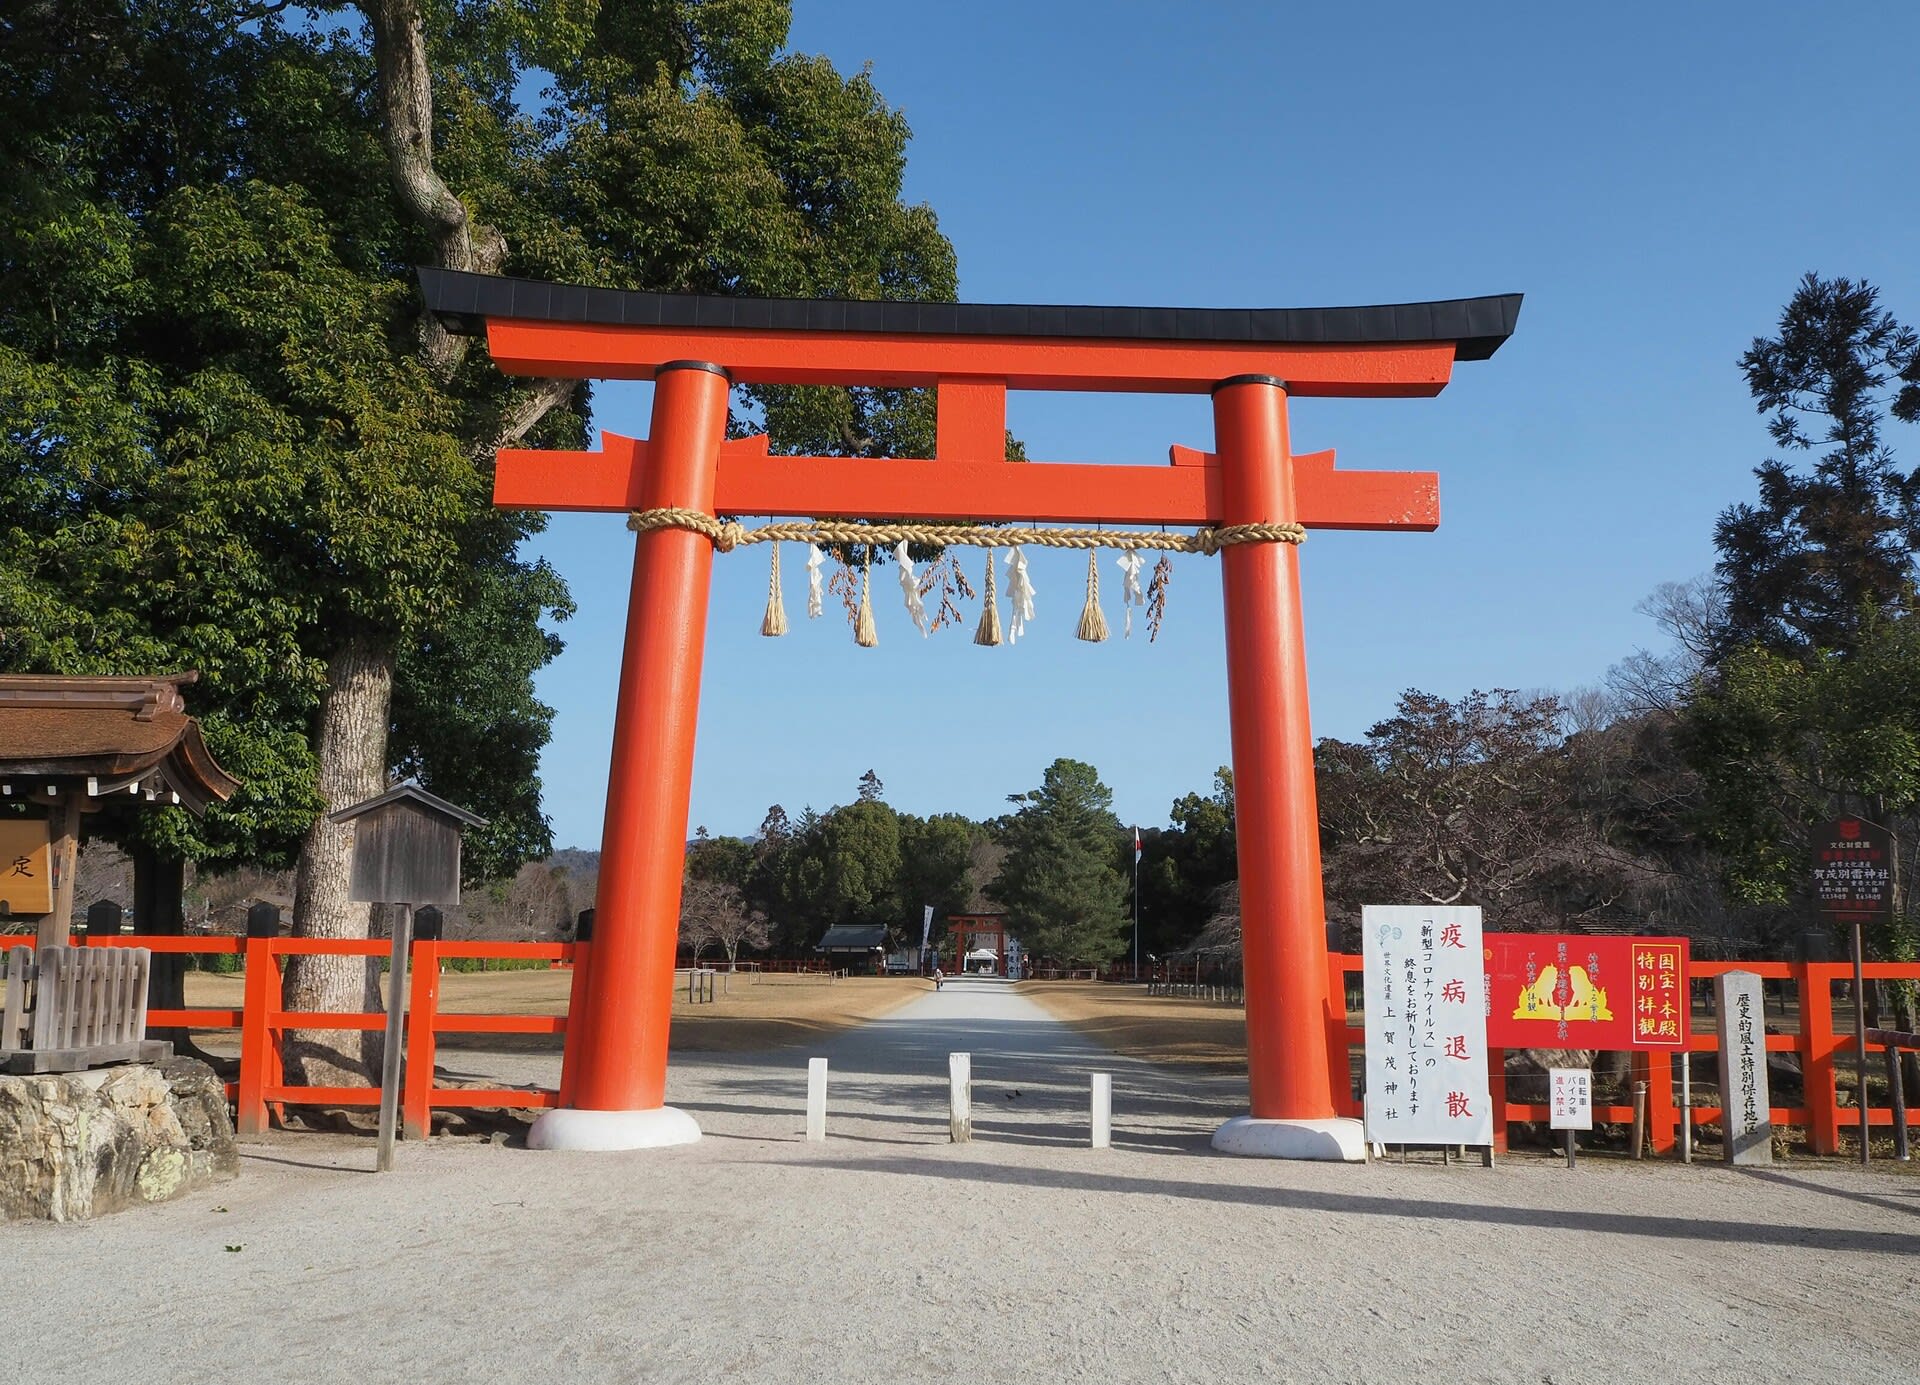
1203 1035
891 1254
750 1012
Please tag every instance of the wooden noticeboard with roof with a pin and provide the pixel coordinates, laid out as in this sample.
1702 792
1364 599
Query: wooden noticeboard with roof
70 747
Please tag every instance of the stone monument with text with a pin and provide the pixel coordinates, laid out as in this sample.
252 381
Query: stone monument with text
1743 1069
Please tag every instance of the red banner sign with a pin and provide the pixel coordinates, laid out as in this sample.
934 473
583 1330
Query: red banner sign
1555 990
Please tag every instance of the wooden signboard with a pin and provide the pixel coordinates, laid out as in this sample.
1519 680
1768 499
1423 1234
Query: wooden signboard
26 866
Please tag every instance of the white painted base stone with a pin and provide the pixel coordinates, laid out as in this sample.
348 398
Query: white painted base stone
608 1130
1337 1141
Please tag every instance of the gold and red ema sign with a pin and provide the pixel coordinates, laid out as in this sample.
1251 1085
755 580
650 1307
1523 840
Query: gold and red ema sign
1555 990
26 866
1852 869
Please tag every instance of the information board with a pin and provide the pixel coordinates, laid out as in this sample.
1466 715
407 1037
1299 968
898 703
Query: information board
26 866
1426 1026
1853 870
1570 990
1571 1096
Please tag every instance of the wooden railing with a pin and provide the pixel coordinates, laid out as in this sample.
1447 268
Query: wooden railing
1820 1049
87 1006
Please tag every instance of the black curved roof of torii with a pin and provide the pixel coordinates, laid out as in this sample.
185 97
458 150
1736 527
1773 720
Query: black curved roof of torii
1476 326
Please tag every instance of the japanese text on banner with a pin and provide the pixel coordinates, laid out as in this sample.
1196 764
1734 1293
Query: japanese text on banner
1426 1026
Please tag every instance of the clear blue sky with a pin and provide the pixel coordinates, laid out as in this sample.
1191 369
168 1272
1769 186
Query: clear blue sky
1654 178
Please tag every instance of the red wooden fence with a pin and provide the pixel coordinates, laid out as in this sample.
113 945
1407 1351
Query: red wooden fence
262 1022
1822 1053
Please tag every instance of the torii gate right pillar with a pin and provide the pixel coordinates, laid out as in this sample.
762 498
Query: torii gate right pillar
1276 814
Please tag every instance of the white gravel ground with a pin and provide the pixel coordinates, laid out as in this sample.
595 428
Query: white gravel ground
888 1254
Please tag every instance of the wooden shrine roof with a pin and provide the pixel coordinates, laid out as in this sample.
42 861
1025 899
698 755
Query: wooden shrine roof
1476 326
852 937
127 735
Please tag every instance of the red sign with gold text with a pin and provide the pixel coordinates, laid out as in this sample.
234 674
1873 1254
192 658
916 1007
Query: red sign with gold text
1557 990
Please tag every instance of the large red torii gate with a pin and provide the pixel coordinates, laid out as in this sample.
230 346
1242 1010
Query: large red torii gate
695 346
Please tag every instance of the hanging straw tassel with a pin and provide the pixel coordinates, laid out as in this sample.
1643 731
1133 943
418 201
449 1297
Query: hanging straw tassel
1093 623
989 630
864 633
775 620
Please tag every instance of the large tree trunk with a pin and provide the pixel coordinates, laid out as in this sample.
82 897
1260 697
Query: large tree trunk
353 766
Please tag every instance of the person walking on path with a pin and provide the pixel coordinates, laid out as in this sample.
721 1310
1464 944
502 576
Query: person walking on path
939 978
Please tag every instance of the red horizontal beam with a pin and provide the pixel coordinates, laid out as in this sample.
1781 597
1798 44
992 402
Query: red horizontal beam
751 483
194 1019
445 1022
168 942
906 360
323 1096
496 1096
538 952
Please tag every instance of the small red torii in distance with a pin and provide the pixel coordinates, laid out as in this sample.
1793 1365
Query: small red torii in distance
694 347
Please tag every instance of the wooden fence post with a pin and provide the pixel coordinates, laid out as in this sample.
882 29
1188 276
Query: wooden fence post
423 1006
1815 980
261 997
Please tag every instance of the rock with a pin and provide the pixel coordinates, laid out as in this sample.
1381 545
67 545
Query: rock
80 1145
1527 1069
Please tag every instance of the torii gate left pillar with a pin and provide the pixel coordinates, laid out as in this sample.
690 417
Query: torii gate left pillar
614 1082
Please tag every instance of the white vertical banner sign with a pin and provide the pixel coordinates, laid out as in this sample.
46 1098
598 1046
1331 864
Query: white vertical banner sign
926 931
1426 1026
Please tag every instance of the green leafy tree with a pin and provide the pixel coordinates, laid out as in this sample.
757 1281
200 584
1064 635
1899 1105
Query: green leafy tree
1784 743
234 442
860 853
936 868
1183 868
725 860
1060 884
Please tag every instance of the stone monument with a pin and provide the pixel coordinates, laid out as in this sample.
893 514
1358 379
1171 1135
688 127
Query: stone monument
1744 1118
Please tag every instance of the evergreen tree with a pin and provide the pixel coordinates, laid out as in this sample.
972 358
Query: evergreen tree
1820 546
1060 884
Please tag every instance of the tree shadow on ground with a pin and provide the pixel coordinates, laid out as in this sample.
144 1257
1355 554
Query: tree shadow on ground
1787 1180
1557 1219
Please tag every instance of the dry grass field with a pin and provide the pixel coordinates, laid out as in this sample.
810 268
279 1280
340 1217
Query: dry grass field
1205 1035
749 1012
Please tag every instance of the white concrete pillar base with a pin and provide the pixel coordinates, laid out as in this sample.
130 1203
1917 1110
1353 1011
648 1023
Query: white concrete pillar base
607 1130
1337 1140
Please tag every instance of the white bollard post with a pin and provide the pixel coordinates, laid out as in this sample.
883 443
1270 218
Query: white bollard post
1102 1110
816 1100
960 1096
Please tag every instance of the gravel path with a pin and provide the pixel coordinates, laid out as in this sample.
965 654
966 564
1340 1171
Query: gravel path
888 1254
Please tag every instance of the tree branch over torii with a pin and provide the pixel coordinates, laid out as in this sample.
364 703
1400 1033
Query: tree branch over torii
459 242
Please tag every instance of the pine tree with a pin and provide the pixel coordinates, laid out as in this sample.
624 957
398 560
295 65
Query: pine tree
1061 883
1821 546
